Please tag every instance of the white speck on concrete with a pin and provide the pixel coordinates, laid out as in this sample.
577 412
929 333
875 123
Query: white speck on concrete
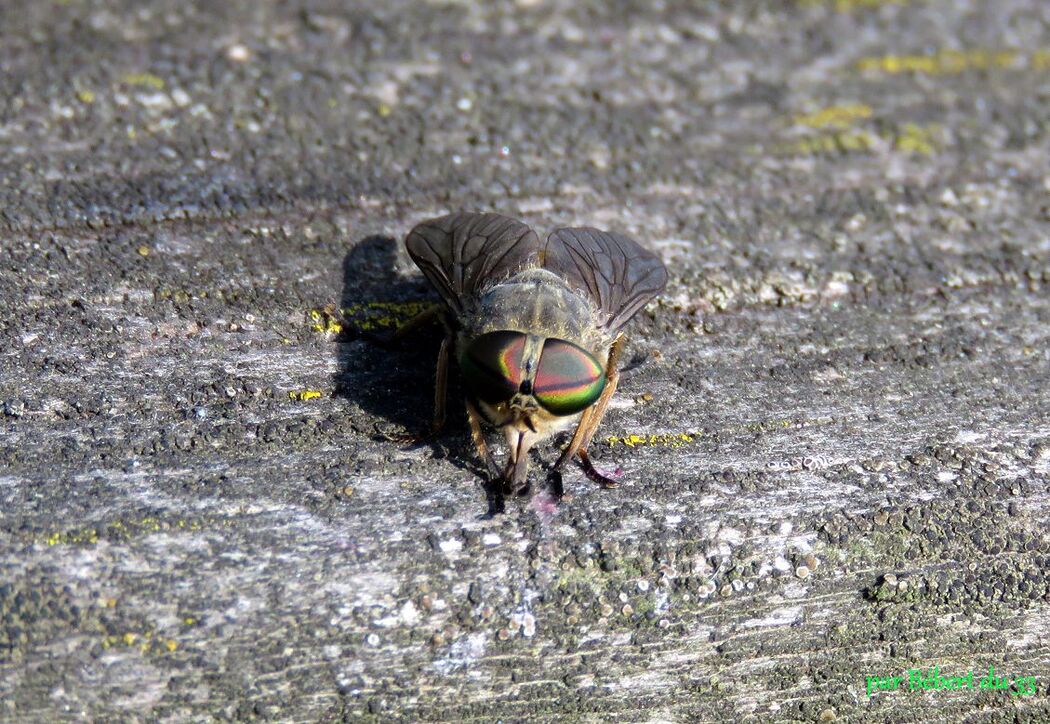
967 437
462 654
409 614
777 617
450 546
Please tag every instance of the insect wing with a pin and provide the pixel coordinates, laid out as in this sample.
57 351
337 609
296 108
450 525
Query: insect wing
620 275
463 253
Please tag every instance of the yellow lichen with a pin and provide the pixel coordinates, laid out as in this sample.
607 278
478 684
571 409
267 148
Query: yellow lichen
86 96
145 641
834 116
144 79
909 138
123 530
85 536
914 138
371 316
943 62
764 426
177 295
678 439
365 316
837 142
673 439
325 322
304 395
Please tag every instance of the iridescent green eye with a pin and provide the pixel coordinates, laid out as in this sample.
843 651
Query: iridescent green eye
568 379
491 366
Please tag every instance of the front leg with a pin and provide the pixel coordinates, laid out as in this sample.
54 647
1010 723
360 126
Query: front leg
595 474
588 425
478 436
441 385
494 482
516 476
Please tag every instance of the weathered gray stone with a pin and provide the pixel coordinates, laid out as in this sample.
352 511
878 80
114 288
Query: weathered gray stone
834 424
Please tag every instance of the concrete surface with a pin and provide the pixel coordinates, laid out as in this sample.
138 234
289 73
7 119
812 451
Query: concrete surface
835 424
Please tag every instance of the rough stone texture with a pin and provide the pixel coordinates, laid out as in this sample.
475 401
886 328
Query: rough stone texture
835 424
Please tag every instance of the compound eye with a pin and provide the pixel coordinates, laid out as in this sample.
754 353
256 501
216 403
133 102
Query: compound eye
568 378
491 366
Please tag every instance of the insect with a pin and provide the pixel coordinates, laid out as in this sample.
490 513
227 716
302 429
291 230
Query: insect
534 327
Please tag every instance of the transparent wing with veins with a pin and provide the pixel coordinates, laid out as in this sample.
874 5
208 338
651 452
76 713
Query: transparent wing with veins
620 275
464 253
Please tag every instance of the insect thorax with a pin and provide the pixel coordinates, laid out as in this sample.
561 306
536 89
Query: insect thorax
538 302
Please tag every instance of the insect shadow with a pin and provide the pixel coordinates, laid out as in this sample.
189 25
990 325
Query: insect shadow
393 382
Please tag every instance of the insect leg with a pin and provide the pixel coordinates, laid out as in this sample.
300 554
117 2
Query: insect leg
476 434
577 439
589 423
515 478
494 484
441 386
612 375
593 473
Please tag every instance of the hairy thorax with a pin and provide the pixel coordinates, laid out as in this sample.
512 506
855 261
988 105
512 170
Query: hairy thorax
539 302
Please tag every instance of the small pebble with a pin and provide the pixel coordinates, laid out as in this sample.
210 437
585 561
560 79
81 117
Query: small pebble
238 53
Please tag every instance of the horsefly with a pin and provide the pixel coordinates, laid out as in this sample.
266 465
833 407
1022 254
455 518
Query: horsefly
535 328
